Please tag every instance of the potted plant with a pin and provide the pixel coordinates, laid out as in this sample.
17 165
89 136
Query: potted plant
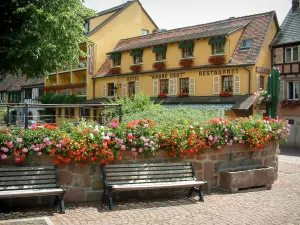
216 59
163 95
159 65
290 103
115 70
186 62
135 68
226 94
261 99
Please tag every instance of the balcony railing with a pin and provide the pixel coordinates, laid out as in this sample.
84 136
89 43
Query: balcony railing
80 65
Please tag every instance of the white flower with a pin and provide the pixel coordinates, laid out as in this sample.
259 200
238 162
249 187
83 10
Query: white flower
102 133
92 136
96 128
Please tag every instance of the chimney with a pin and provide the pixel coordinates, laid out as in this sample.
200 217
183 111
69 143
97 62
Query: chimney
295 4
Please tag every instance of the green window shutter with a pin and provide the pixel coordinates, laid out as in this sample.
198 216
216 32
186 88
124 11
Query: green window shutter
159 49
136 52
115 56
189 44
219 40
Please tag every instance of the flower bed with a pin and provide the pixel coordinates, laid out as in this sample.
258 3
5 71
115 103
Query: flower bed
162 95
135 68
290 103
102 144
216 59
186 62
159 65
226 94
116 70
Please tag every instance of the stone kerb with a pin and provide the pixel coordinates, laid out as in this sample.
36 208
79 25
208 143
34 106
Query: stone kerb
86 183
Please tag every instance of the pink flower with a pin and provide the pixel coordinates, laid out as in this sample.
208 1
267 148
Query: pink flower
129 135
9 144
230 144
123 147
19 140
146 125
133 149
39 153
3 156
156 135
219 147
114 125
4 149
235 138
24 150
140 150
210 138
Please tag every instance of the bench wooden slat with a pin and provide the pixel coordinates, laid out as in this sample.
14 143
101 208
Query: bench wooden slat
148 186
29 193
118 174
19 178
3 169
147 169
44 186
148 177
27 182
147 165
149 181
24 173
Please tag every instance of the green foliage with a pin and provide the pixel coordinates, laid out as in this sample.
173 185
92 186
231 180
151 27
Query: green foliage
53 98
39 36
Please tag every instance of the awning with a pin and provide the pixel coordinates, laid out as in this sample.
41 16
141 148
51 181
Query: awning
189 44
159 49
136 52
219 40
115 56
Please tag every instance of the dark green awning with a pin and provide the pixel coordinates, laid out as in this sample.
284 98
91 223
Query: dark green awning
219 40
159 49
115 56
136 52
189 44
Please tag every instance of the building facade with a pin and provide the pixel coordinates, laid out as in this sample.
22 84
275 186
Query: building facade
194 65
286 57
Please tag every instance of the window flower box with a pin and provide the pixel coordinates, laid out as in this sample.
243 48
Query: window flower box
162 95
159 65
135 68
183 95
116 70
290 103
186 62
226 94
217 59
262 98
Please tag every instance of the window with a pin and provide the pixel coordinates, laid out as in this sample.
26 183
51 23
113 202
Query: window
86 27
164 86
28 93
111 89
184 85
291 54
246 44
131 88
218 48
145 32
160 56
293 90
117 62
69 112
2 97
41 91
188 52
262 82
227 83
291 121
59 112
138 59
85 113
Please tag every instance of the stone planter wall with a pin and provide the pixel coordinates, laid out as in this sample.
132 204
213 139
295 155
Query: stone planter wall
86 184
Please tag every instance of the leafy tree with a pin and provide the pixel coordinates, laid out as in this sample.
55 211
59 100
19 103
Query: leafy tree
38 36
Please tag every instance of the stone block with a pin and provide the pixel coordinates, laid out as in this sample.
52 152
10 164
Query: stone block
239 155
65 178
127 155
213 157
62 167
80 170
208 171
198 166
269 161
199 175
224 157
201 157
93 169
93 196
81 181
97 184
75 195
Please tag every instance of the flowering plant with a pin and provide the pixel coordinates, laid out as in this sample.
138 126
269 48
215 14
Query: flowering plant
116 70
183 94
261 98
226 94
135 68
186 62
216 59
162 95
290 103
159 65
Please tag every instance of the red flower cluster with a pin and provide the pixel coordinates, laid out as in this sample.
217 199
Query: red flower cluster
216 59
226 94
186 62
136 68
115 70
162 95
183 95
290 103
159 65
62 87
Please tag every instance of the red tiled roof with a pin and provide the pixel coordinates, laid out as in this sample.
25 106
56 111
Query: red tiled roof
255 28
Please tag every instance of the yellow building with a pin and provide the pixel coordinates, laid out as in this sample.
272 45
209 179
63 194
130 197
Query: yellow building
193 65
104 29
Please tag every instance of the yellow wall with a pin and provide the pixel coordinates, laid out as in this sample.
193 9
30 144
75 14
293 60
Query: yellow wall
128 23
97 20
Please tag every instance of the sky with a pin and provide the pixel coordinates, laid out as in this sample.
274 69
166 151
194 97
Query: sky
170 14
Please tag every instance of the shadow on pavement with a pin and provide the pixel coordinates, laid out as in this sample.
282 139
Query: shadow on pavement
290 151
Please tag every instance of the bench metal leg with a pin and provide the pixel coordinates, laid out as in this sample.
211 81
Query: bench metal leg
201 197
111 204
62 204
190 192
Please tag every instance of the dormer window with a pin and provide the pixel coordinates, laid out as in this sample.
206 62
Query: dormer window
187 49
218 45
116 59
246 44
137 56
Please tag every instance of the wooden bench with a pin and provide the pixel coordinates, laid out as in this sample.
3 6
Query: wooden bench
128 177
16 182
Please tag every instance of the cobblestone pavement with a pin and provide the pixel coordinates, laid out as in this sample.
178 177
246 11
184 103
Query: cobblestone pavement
281 205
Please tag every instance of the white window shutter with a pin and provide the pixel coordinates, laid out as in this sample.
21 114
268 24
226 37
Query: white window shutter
281 93
155 88
175 86
124 89
104 90
257 82
236 84
137 86
216 85
171 87
192 84
115 91
279 55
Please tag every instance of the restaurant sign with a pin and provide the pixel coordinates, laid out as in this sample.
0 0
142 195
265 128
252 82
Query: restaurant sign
218 72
